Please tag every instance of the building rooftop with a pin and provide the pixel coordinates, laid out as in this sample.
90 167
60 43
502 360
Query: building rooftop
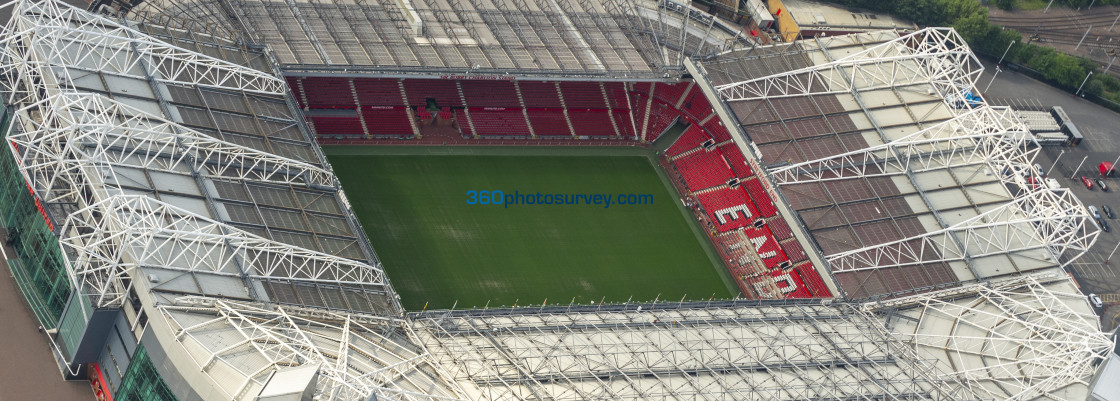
902 177
613 39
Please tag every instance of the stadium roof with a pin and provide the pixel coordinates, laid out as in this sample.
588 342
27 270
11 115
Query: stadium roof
1007 340
203 167
153 160
623 39
900 174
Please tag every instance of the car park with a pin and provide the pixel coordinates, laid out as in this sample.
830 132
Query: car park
1088 183
1100 183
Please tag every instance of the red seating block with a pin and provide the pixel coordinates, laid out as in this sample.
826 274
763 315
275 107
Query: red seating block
812 280
337 125
499 121
661 116
549 122
328 93
293 83
728 208
768 248
696 105
591 122
539 94
462 121
445 93
717 130
703 170
736 160
385 120
761 199
670 93
582 95
625 124
379 92
490 94
691 139
617 96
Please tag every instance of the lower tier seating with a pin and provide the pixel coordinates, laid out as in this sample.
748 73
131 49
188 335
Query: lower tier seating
728 208
703 169
549 123
499 122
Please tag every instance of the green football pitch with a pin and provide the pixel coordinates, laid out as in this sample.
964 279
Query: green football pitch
438 250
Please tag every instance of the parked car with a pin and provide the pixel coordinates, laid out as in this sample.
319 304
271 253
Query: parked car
1096 301
1041 172
1100 183
1095 212
1108 211
1088 183
1104 225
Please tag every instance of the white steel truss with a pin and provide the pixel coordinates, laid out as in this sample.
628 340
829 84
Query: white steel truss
983 135
62 35
73 133
937 56
745 351
1054 222
111 238
243 343
1026 338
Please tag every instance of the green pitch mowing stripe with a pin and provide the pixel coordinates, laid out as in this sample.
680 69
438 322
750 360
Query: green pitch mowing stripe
438 249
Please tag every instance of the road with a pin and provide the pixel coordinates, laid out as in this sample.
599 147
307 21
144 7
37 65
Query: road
1101 128
28 371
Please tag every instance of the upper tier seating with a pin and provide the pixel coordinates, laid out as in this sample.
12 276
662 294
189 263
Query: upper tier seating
328 93
490 94
443 91
380 92
582 95
539 94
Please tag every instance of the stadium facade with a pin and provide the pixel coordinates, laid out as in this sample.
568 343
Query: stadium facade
181 236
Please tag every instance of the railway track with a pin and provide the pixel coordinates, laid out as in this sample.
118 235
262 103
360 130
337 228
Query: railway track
1063 29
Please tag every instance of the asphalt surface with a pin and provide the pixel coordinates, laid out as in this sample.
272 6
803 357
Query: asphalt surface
1095 272
28 371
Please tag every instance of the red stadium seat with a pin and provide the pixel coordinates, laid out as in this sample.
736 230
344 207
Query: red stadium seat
549 123
728 208
539 94
499 122
703 169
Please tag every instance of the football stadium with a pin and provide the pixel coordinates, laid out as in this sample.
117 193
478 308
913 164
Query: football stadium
528 199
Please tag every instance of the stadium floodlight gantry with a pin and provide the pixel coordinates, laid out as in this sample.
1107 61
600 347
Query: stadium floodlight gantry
903 176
